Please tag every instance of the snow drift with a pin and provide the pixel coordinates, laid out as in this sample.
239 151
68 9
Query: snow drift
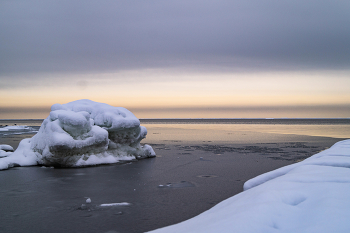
82 133
309 196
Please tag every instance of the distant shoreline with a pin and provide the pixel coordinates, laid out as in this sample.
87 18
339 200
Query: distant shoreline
303 121
288 121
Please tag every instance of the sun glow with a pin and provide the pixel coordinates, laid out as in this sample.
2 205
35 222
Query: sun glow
169 89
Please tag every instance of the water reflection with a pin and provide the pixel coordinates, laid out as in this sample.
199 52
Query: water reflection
239 133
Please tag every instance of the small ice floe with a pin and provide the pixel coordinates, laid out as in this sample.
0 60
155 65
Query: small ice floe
115 204
17 128
88 200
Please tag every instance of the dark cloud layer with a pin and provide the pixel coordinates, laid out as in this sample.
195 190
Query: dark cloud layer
85 36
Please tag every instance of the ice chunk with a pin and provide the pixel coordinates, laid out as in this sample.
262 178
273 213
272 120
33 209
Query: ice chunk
115 204
88 200
83 133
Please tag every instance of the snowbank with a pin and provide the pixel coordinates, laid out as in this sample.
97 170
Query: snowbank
309 196
82 133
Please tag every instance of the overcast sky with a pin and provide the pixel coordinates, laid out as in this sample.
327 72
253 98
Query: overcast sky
48 43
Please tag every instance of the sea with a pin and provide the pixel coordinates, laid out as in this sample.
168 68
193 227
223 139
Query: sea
199 163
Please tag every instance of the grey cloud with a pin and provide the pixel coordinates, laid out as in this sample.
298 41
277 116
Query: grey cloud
84 36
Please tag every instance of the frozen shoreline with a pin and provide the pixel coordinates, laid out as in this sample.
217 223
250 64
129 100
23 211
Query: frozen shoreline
309 196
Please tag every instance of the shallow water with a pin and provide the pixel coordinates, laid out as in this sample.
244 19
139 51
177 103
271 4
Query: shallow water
197 166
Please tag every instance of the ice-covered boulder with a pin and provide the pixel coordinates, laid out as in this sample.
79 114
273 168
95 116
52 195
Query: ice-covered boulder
83 133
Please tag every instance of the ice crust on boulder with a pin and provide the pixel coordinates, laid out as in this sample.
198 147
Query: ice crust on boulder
311 196
82 133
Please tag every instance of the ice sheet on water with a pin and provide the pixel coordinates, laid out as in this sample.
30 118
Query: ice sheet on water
17 129
309 196
82 133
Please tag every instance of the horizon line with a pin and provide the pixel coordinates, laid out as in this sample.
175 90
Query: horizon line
213 118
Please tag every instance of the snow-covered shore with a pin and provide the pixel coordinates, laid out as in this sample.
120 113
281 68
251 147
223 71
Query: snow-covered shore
309 196
81 133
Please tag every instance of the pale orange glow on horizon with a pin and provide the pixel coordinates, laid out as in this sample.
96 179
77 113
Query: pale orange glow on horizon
170 89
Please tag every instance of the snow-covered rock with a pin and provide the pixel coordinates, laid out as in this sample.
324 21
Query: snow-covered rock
82 133
311 196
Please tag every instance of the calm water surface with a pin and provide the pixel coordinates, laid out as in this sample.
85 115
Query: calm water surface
198 164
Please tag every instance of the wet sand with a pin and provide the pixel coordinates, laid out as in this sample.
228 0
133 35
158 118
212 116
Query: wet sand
194 170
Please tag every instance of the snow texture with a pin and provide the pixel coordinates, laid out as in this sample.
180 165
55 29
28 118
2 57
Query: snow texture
82 133
309 196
